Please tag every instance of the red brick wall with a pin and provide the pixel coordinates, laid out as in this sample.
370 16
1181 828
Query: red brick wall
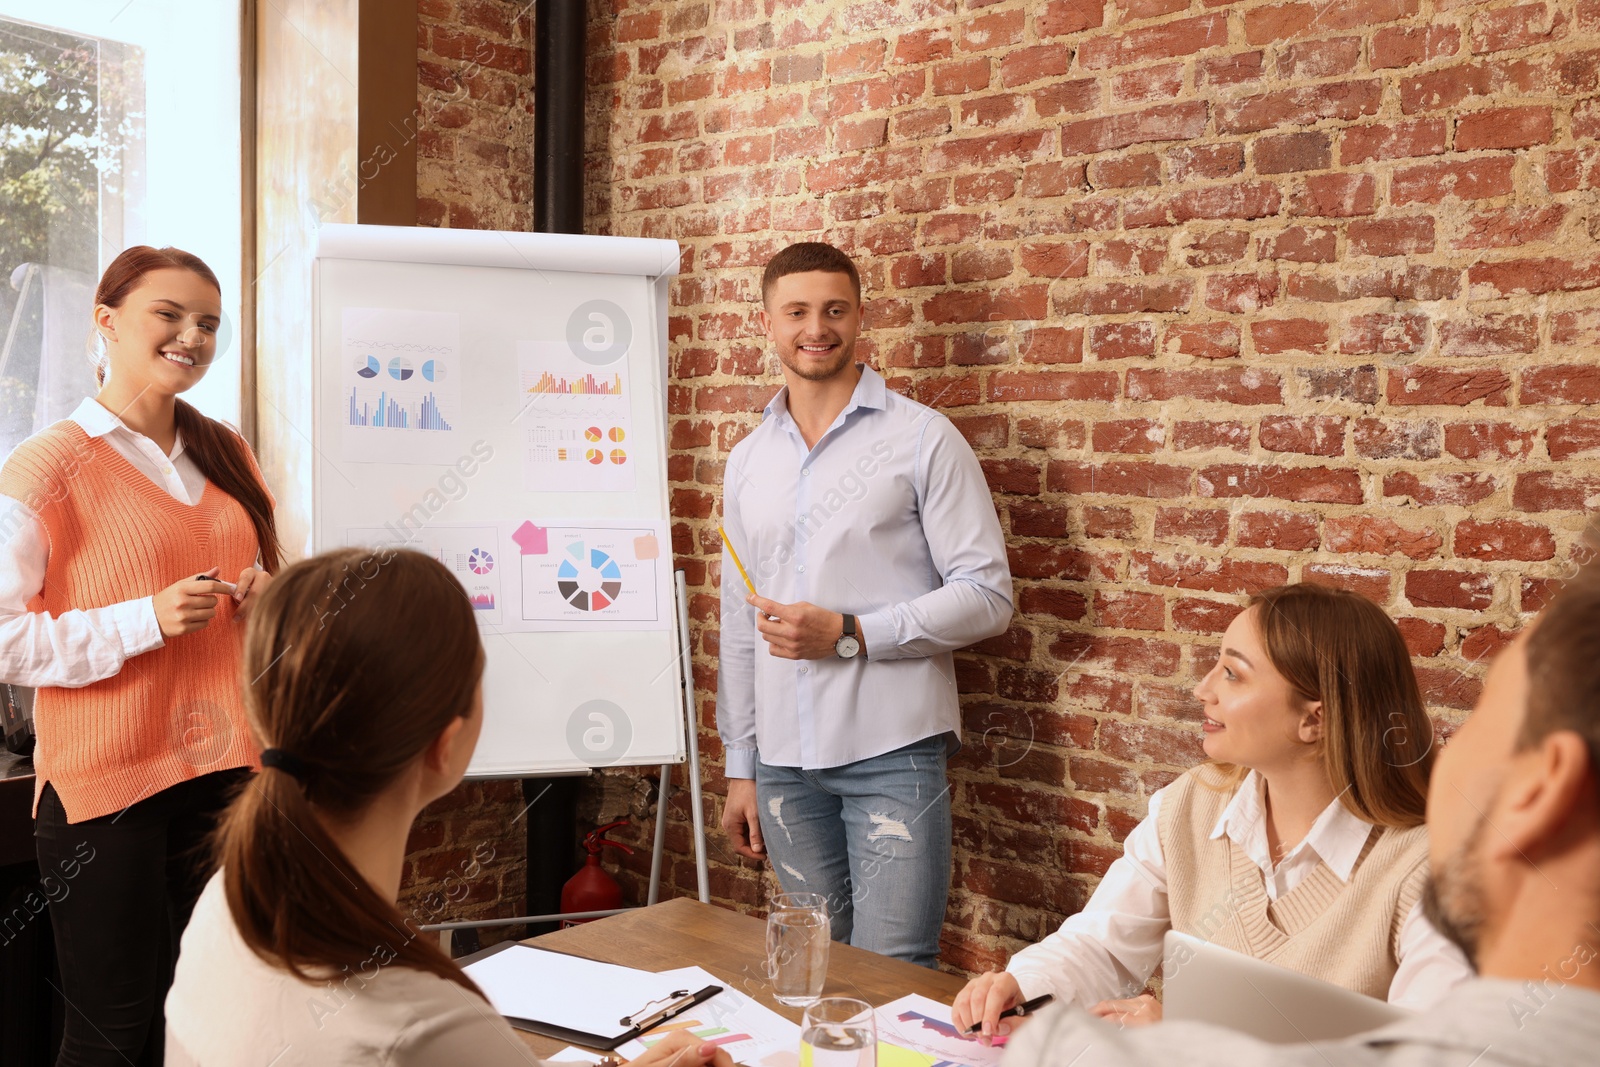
1223 294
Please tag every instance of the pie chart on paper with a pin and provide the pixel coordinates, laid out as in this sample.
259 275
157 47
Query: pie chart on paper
591 578
588 579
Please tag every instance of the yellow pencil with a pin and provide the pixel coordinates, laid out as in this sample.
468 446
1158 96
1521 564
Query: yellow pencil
742 573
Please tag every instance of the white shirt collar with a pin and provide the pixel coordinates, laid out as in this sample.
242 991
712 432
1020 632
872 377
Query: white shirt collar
871 391
97 420
1337 836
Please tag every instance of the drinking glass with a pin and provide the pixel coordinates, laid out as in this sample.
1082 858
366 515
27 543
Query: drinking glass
838 1032
797 947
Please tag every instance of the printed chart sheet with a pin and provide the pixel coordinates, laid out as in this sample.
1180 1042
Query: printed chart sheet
525 577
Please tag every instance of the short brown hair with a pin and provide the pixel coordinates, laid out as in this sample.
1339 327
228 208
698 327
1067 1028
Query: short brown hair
1342 649
354 662
1563 653
809 256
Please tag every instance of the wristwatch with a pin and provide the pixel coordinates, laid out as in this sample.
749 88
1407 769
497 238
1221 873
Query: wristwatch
849 645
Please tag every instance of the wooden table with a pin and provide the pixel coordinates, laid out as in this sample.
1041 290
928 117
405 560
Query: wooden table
687 933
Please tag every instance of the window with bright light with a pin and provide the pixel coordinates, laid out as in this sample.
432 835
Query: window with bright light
119 125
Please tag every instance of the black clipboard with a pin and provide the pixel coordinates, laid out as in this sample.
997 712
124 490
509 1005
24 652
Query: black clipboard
644 1019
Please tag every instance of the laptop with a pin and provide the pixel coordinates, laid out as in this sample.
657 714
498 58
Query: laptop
1202 982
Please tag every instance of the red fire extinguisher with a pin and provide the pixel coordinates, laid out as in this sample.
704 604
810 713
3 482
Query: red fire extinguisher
592 889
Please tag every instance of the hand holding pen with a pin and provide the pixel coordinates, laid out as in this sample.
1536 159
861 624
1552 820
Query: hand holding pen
1027 1007
987 1000
190 604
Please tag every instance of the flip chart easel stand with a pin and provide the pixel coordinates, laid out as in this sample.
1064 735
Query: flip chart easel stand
658 850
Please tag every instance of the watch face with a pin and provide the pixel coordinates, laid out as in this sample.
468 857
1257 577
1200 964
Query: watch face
847 647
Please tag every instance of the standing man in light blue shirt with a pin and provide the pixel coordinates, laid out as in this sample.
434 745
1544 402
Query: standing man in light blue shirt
869 534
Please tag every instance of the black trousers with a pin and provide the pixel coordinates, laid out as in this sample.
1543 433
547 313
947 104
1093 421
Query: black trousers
121 889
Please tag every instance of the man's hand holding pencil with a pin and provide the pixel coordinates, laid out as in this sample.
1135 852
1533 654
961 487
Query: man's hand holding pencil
793 631
798 631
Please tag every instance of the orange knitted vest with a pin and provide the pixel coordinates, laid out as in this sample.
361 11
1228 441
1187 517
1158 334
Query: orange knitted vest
175 712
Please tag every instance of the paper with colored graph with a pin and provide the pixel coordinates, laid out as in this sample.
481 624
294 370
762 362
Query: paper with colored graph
574 419
471 552
400 386
527 576
915 1031
753 1034
595 576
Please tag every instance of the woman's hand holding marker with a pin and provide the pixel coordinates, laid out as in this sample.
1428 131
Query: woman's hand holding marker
186 606
252 583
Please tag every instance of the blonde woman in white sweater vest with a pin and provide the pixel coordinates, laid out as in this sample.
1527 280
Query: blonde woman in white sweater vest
1301 843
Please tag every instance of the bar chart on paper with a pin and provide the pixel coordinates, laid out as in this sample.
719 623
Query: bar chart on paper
387 411
588 385
576 422
401 386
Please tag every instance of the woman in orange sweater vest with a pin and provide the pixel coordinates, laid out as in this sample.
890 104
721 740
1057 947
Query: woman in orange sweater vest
134 536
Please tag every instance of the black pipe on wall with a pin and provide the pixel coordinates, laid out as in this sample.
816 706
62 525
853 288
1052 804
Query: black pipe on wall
560 49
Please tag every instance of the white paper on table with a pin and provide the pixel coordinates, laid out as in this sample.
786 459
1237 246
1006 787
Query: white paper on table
568 991
923 1036
400 385
752 1033
574 1054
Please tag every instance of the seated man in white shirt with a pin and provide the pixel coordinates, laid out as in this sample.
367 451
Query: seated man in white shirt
1514 824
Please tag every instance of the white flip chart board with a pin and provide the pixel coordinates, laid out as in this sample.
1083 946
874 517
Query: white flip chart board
498 400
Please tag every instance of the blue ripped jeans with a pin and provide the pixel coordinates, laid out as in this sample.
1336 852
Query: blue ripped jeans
874 837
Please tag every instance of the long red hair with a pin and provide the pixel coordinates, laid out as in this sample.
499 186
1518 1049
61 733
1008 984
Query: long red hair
220 454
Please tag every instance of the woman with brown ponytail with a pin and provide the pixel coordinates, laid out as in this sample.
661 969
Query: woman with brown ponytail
134 536
364 673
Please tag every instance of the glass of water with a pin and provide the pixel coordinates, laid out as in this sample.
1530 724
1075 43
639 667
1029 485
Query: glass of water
838 1032
797 947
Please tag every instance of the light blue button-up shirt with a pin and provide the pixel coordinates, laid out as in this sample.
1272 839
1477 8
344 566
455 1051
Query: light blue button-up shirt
889 519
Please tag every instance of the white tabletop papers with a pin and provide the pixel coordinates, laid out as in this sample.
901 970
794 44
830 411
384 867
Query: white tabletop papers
529 983
568 991
753 1034
915 1031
